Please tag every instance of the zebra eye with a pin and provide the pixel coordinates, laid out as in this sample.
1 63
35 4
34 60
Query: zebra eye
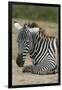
24 41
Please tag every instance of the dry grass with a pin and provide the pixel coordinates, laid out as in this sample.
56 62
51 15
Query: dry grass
20 78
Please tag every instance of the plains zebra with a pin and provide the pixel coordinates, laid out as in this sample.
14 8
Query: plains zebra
42 49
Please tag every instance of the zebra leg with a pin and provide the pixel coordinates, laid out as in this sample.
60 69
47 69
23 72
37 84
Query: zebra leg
43 72
39 71
27 68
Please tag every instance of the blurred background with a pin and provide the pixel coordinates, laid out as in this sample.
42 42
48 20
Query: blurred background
45 13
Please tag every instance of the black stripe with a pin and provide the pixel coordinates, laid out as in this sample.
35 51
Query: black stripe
51 52
40 44
53 45
50 48
44 54
42 58
40 54
33 50
51 63
36 46
33 56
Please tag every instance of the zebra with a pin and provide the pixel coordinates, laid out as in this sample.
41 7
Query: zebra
43 50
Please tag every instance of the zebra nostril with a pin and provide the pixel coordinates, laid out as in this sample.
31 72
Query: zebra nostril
19 60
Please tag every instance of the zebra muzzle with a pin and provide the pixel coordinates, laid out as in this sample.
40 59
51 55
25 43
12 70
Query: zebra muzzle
19 60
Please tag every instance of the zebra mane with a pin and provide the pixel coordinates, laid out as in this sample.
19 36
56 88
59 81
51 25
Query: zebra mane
35 25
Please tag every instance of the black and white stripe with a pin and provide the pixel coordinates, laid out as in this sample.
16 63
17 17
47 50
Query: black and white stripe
26 50
44 52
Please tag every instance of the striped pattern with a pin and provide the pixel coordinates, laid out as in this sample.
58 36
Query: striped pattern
43 54
26 50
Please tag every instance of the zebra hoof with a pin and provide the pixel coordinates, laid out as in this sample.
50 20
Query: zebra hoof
27 69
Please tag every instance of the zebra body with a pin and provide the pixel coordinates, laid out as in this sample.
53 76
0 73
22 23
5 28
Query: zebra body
44 54
42 50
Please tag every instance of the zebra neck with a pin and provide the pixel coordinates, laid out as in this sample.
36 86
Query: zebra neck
35 40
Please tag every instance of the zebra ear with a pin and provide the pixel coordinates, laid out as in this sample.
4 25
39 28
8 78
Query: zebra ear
17 26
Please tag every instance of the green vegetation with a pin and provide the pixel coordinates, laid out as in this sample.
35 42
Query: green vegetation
35 12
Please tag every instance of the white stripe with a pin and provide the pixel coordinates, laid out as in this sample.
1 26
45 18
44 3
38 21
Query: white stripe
55 45
40 50
42 55
51 45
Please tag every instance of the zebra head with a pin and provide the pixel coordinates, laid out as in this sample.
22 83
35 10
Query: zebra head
25 41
